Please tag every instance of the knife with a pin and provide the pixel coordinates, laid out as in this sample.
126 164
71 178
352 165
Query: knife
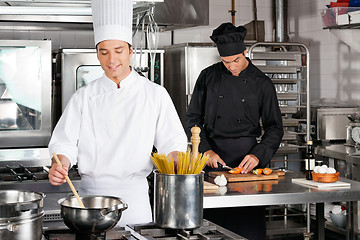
227 167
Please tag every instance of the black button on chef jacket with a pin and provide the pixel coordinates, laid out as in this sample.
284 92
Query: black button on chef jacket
227 106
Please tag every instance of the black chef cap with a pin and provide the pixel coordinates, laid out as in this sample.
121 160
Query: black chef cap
229 39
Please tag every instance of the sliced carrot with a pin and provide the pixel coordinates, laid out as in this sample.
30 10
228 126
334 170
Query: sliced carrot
267 171
236 170
257 171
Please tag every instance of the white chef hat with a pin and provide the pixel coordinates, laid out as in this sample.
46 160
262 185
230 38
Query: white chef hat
112 19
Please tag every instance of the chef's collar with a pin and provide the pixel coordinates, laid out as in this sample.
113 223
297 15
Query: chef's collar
243 72
123 83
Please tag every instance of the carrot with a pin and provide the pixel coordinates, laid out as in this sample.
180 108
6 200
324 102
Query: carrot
267 171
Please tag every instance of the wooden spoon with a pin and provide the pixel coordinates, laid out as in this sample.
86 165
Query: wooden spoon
69 182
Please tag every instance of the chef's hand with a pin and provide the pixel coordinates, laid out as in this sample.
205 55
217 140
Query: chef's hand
248 163
56 173
214 159
174 155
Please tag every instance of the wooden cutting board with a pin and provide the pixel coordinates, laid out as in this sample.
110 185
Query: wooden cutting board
210 186
311 183
244 177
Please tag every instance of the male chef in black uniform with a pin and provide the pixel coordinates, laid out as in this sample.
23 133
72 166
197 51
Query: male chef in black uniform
229 99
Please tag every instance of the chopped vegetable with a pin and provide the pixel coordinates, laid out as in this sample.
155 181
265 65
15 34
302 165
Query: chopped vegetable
267 171
236 170
257 171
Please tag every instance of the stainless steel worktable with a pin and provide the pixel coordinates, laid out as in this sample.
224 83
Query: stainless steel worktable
283 191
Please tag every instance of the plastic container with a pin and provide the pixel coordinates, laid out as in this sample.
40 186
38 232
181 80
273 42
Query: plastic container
337 16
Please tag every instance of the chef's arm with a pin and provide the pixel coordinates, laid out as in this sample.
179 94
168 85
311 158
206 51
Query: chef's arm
56 173
196 112
272 124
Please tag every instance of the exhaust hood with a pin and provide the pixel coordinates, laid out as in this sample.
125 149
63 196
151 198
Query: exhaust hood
76 15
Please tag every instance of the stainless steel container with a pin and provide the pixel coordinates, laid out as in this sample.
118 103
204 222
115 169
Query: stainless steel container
101 213
178 202
21 214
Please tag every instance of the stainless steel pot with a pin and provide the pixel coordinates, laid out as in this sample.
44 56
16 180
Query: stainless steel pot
21 214
101 213
178 200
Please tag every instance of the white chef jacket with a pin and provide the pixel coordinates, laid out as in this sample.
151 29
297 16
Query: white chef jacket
110 132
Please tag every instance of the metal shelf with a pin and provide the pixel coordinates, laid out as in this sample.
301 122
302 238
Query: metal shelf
346 26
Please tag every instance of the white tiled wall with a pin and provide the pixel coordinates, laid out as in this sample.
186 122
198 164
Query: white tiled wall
334 67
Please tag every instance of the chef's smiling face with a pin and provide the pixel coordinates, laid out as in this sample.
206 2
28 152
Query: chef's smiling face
114 57
235 63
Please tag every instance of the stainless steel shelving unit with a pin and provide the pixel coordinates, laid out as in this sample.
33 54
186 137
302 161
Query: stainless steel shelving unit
287 64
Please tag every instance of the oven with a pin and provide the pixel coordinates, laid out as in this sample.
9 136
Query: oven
25 93
74 68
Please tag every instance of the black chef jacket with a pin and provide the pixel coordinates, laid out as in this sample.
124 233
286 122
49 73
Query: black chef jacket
226 106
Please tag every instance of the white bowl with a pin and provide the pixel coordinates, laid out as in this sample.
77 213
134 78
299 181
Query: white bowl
338 219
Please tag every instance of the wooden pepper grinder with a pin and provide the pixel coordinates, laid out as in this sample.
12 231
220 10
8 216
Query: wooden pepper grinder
195 140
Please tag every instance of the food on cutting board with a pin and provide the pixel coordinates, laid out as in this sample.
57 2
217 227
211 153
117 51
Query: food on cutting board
236 170
267 171
220 180
258 171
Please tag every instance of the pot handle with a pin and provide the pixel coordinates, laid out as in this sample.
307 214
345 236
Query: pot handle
120 207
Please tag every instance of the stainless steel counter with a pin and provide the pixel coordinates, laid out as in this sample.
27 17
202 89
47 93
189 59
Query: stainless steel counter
283 191
275 192
346 159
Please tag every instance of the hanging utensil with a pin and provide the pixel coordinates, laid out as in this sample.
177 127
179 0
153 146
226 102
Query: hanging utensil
135 37
69 182
152 32
142 42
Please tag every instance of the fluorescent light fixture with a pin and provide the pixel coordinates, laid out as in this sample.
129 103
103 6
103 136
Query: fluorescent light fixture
14 10
56 10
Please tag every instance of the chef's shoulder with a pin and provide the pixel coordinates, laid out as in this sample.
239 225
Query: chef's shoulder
150 86
91 89
260 77
210 73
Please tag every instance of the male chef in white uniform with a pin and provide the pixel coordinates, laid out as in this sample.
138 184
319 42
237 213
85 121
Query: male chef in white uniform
110 126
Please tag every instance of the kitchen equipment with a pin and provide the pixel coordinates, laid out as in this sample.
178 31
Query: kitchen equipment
100 215
75 68
25 93
70 183
21 215
184 63
243 177
353 134
178 200
332 122
207 230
